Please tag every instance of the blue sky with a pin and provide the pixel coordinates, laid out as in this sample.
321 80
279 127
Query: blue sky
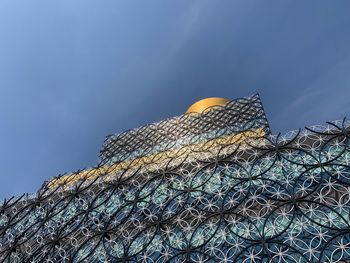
72 72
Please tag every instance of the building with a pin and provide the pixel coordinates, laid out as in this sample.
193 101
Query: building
212 185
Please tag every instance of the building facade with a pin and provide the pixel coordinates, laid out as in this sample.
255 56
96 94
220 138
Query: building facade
208 186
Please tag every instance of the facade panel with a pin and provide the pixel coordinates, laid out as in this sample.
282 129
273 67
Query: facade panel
209 187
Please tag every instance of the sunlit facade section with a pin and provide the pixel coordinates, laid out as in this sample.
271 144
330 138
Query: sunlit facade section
210 186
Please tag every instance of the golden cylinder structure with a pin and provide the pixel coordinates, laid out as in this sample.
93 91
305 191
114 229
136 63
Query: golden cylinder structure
204 104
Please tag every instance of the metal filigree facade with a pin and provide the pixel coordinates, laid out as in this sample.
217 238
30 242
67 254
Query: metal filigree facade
214 187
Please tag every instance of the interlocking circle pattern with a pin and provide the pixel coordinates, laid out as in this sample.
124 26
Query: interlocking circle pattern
251 198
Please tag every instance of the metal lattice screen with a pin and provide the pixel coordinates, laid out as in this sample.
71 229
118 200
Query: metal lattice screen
237 197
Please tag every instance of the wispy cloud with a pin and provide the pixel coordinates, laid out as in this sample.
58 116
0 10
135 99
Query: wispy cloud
73 71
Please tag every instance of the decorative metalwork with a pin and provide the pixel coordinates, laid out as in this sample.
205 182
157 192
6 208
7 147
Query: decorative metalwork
237 116
250 197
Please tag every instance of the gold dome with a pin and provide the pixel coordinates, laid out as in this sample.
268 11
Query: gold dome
201 105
